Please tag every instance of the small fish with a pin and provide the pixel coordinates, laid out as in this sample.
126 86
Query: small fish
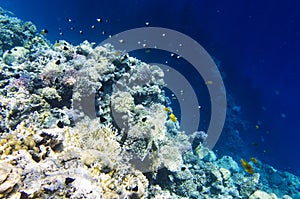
247 167
173 118
57 43
255 144
44 32
209 82
283 115
254 160
57 62
167 109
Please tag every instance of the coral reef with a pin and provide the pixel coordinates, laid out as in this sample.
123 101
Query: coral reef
91 122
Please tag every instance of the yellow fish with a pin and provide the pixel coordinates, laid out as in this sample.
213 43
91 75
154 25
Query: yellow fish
167 109
247 167
209 82
254 160
173 117
44 32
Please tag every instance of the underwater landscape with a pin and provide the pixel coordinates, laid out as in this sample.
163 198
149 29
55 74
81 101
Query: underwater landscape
149 99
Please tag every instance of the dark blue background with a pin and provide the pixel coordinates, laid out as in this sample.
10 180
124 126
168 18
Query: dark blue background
257 43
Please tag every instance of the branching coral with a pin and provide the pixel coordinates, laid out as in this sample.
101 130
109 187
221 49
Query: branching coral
98 142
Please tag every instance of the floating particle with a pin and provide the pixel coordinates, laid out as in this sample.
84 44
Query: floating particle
69 20
178 56
139 42
147 23
166 63
72 28
81 32
93 26
121 41
199 107
104 32
163 34
180 45
99 20
265 151
148 51
144 45
172 55
283 115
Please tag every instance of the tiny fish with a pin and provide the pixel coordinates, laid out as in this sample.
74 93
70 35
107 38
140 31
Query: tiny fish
173 118
44 32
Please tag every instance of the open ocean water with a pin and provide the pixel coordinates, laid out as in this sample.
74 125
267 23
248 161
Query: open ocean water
256 45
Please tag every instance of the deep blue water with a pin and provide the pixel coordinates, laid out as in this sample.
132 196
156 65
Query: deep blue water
256 42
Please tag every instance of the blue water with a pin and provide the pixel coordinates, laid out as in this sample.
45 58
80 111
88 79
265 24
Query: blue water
256 42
